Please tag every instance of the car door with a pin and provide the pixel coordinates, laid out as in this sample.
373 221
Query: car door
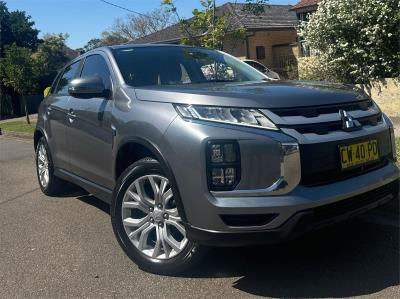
56 114
89 134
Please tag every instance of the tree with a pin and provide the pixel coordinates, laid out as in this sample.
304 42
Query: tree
136 26
92 44
50 57
15 27
359 39
209 27
132 27
18 72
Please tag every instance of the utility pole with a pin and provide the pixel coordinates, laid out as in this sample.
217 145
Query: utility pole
213 24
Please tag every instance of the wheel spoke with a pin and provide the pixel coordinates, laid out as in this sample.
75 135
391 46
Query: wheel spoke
132 222
142 197
163 234
177 225
163 185
157 247
135 205
173 214
167 196
156 189
41 158
173 243
138 203
137 231
144 236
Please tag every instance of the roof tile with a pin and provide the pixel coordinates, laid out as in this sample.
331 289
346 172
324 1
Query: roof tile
305 3
275 16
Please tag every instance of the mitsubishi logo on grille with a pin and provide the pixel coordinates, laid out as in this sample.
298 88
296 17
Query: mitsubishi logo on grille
348 122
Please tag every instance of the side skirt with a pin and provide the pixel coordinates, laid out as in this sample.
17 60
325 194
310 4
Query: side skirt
98 191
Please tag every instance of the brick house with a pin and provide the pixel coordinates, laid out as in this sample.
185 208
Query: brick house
271 38
303 10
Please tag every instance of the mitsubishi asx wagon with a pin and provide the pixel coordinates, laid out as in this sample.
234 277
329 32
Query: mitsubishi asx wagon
193 148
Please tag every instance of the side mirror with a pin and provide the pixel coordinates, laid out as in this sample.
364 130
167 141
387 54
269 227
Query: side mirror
87 87
46 91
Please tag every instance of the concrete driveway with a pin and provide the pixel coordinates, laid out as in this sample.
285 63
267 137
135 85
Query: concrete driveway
65 247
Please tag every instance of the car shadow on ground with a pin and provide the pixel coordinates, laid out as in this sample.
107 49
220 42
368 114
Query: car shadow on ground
349 259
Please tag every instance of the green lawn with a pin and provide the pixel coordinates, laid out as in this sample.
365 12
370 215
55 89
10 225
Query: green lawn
19 127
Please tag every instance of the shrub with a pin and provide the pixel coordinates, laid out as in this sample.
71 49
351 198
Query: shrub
317 68
359 39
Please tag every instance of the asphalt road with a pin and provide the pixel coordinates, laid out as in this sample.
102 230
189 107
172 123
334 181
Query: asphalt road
65 247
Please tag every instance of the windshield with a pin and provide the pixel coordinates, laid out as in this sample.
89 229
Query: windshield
149 66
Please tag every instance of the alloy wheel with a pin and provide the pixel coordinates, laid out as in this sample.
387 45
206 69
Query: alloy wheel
151 219
43 166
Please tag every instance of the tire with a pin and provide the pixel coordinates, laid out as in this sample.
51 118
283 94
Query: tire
52 185
152 220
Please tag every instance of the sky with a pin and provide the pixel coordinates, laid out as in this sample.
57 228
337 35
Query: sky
86 19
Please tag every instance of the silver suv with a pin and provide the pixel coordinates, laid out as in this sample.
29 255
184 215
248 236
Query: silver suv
193 148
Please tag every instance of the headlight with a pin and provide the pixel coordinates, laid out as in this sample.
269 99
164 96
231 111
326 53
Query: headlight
236 116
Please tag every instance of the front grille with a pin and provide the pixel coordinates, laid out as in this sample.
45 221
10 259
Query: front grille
315 111
348 205
325 119
320 162
325 128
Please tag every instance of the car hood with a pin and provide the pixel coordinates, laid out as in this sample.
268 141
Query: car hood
278 94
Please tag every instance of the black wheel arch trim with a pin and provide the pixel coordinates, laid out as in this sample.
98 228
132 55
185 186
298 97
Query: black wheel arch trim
164 165
43 132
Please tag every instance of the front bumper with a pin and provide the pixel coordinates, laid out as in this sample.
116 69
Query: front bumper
302 221
215 218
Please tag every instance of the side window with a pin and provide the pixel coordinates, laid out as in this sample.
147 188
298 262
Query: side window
68 75
54 84
95 65
260 67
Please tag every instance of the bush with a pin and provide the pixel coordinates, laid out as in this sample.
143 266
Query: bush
317 68
359 38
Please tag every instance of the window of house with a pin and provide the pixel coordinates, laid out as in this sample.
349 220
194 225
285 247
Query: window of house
260 51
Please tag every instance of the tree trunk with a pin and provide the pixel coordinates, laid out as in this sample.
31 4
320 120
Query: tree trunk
26 109
1 100
15 103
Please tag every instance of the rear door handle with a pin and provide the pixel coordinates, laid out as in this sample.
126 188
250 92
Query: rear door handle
49 110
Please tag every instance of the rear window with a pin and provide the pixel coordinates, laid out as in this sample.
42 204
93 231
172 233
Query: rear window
149 66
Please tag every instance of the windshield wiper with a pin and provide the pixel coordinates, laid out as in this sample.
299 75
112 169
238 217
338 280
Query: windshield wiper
214 80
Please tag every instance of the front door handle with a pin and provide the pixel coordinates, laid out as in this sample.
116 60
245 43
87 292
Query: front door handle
71 115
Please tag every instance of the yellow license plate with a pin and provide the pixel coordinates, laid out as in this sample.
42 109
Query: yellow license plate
359 153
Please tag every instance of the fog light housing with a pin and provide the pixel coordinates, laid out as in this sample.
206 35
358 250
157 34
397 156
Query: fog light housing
223 165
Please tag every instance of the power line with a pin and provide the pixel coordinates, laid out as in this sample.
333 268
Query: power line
124 8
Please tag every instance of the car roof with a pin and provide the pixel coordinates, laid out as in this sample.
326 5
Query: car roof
129 46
